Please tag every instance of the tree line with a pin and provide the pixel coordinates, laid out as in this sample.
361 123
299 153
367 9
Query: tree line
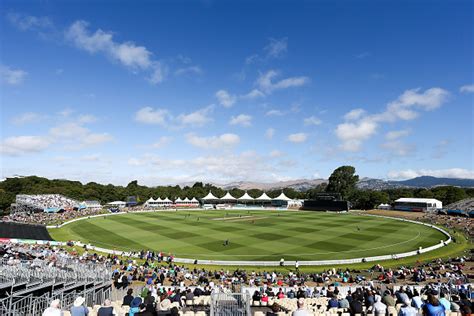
343 181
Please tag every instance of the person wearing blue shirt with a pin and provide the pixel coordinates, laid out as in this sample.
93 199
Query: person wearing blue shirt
433 307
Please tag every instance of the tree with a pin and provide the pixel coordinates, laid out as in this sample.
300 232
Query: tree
343 180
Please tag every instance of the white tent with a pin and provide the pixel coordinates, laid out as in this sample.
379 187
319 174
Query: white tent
167 201
178 200
194 201
282 197
228 197
159 200
117 203
186 200
246 197
264 197
210 197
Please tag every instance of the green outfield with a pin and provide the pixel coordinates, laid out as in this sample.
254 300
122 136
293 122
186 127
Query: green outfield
252 235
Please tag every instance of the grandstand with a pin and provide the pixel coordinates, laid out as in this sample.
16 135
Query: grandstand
49 203
466 205
417 205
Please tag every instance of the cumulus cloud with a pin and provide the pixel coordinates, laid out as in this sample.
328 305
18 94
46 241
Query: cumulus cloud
148 115
312 120
213 142
442 173
28 117
399 148
18 145
28 22
358 126
274 113
188 70
198 118
75 135
225 98
266 82
354 114
253 94
12 76
276 47
269 133
392 135
297 137
241 119
162 141
469 88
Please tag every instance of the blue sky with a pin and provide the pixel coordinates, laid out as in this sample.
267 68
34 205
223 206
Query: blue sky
170 92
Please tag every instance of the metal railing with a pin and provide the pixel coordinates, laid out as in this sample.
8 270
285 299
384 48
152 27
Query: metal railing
230 304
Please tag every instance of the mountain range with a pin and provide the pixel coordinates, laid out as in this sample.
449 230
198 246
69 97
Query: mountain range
364 183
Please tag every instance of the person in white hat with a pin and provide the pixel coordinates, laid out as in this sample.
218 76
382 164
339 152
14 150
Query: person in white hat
53 309
79 309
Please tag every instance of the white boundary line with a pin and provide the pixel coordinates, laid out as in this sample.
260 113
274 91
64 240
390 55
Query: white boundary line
276 263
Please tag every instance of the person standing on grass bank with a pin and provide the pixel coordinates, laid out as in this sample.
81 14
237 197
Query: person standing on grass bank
282 262
297 265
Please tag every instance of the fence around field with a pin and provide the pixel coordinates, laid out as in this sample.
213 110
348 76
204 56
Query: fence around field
441 244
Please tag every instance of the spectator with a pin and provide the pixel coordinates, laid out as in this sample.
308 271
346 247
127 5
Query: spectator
301 311
379 308
355 305
443 301
407 310
78 308
127 299
275 309
107 309
53 309
433 307
134 306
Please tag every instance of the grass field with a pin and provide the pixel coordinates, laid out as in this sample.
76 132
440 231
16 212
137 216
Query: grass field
252 235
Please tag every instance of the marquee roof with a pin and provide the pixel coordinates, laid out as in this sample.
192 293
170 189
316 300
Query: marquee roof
263 197
282 197
246 197
228 196
194 200
178 200
210 196
167 200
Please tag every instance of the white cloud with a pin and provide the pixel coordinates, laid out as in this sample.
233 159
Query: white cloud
87 118
18 145
392 135
399 148
158 73
312 120
27 22
225 99
269 133
254 94
360 127
92 139
28 117
354 114
276 154
12 76
469 88
297 137
188 70
198 118
127 53
241 119
353 134
274 113
266 83
162 141
76 136
442 173
276 48
213 142
148 115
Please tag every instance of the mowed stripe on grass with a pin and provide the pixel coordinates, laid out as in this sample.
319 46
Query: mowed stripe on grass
292 235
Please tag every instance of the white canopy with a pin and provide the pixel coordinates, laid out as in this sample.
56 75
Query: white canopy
166 200
263 197
246 197
282 197
158 199
150 200
228 197
178 200
194 200
210 196
186 199
117 203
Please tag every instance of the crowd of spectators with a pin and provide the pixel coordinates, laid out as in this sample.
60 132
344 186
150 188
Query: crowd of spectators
46 201
51 218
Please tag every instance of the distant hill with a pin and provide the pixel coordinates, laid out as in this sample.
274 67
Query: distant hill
428 182
298 185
